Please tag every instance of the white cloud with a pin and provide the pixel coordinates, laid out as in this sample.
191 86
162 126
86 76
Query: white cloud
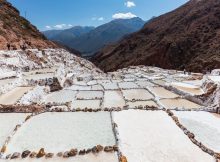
101 19
48 27
130 4
70 25
128 15
60 26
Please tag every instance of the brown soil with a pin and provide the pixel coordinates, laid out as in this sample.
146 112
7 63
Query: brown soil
16 30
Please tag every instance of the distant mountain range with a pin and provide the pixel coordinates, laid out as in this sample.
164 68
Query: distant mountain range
67 35
186 38
89 40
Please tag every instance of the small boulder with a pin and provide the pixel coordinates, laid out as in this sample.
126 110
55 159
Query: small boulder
33 155
15 155
88 151
41 153
59 154
99 148
73 152
123 159
25 154
66 154
3 149
115 148
108 149
49 155
8 156
82 152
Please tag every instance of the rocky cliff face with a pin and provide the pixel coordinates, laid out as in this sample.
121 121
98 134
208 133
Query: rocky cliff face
187 37
16 30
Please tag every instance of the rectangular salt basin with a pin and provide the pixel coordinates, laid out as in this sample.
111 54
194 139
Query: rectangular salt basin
110 86
141 103
62 96
152 136
14 95
113 99
144 83
79 87
8 123
204 125
93 104
162 92
137 94
127 85
56 132
179 103
187 88
89 95
100 157
39 76
160 82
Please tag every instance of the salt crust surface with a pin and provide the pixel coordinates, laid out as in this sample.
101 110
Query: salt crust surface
67 130
204 125
152 136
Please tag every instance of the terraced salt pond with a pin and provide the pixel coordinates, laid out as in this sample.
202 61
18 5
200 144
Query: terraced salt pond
153 136
141 103
8 123
179 103
39 76
137 94
93 104
113 99
187 88
162 92
204 125
89 95
67 130
14 95
127 85
62 96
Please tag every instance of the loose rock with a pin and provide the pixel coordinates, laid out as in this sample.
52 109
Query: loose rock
41 153
15 155
25 154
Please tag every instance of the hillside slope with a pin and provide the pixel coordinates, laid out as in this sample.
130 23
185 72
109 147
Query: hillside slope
187 37
16 30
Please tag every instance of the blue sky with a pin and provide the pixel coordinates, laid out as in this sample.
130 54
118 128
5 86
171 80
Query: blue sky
60 14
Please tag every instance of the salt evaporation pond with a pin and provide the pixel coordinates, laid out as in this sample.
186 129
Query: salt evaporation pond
141 103
188 88
204 125
39 76
14 95
113 99
137 94
93 104
89 95
67 130
127 85
62 96
8 123
144 83
152 136
179 103
162 92
110 86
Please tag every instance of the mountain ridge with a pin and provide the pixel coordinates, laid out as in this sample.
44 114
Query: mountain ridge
184 38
